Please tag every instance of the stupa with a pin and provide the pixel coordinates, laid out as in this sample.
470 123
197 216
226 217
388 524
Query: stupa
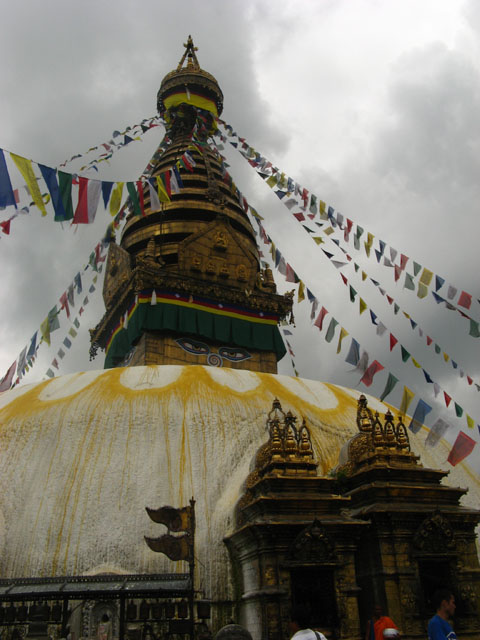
303 490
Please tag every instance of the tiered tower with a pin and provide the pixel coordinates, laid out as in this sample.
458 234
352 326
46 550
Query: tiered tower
185 285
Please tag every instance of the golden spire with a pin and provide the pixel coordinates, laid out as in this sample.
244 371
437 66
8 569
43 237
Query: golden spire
192 62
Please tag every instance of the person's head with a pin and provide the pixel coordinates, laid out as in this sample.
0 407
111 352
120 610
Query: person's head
233 632
444 602
300 618
377 611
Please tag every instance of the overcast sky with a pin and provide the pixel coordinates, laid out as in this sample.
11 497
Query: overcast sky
373 106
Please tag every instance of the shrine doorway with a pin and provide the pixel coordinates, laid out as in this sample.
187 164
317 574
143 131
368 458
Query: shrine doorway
314 588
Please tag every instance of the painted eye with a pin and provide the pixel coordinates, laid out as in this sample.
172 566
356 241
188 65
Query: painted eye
193 346
234 355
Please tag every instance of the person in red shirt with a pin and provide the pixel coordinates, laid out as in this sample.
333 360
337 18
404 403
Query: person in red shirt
377 625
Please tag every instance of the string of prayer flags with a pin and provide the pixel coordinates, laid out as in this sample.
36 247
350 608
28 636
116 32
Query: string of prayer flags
336 222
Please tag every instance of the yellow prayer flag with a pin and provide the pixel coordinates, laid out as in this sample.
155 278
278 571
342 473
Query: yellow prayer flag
323 212
317 239
343 334
45 331
364 276
368 243
419 366
406 400
446 357
25 167
470 422
406 315
329 231
116 199
272 181
422 290
363 306
301 292
426 277
162 192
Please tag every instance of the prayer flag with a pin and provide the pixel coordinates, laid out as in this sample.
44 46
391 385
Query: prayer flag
405 354
141 196
45 331
427 377
374 368
409 283
154 200
407 398
65 186
422 291
301 292
343 334
33 346
331 330
439 282
7 196
448 398
426 276
22 362
458 410
106 191
132 192
474 329
53 319
77 281
465 300
321 316
391 382
116 199
353 355
437 432
451 292
418 418
362 305
6 381
393 341
470 422
50 177
64 301
25 167
462 447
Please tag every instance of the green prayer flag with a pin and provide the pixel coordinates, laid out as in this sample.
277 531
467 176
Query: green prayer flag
409 283
53 319
405 354
65 186
132 192
353 293
438 349
331 330
391 382
458 410
474 329
416 268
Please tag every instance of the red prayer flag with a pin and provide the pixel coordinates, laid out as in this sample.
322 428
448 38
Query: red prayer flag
390 300
429 340
345 281
462 447
393 341
5 225
141 199
465 300
403 261
321 316
397 271
64 301
81 212
6 381
470 380
374 368
299 216
290 275
447 398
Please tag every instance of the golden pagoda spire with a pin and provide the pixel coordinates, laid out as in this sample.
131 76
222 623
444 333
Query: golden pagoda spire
192 62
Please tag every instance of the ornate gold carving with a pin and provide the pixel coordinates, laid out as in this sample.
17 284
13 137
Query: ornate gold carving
221 241
435 535
242 273
313 546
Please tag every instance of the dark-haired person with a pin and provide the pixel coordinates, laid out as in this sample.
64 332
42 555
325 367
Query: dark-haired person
378 624
300 625
438 627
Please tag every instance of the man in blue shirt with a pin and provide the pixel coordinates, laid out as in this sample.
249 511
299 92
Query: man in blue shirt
438 627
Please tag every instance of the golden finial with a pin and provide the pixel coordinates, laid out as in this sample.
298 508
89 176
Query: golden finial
192 62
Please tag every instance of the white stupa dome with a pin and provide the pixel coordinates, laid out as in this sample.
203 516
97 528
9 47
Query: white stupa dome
82 455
